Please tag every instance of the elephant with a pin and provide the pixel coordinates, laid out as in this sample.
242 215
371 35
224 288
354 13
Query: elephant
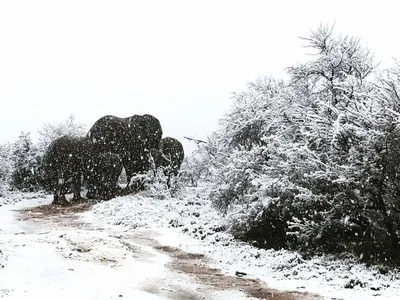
146 128
110 134
169 156
64 164
131 138
102 176
172 149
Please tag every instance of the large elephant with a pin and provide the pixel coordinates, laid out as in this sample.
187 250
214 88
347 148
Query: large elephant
169 157
131 138
64 164
102 178
110 134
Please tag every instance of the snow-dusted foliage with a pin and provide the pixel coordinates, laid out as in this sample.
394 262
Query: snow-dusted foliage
19 170
158 185
6 165
313 163
27 161
198 166
50 132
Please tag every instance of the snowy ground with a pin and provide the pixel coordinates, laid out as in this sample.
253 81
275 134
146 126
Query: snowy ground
49 252
153 246
15 197
199 228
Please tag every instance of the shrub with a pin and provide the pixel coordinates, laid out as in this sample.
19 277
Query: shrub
312 163
27 174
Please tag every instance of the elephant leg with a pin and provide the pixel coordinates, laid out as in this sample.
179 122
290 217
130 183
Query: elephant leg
103 192
112 191
77 187
128 179
56 198
92 183
60 191
63 200
116 188
97 190
57 192
89 186
109 190
91 192
59 199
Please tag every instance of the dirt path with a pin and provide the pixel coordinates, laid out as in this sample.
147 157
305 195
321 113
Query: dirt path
188 275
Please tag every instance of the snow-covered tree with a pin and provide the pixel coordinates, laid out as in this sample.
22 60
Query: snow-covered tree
6 167
50 132
26 174
197 166
312 163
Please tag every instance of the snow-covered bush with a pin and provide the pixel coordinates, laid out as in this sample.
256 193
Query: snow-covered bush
313 163
160 186
6 166
50 132
27 162
197 167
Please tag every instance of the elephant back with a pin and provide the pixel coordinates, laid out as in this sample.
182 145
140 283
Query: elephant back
63 151
110 134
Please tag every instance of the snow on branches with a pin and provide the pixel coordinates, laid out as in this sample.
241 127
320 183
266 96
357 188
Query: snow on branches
313 163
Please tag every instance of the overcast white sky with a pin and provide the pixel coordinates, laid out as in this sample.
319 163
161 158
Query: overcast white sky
177 60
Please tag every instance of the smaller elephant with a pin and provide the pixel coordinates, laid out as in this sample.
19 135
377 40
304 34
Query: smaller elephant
63 165
102 176
172 150
169 157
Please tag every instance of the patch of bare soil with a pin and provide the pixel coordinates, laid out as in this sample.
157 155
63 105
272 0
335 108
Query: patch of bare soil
196 265
64 216
51 209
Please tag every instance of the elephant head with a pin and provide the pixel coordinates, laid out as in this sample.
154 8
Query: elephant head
147 129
